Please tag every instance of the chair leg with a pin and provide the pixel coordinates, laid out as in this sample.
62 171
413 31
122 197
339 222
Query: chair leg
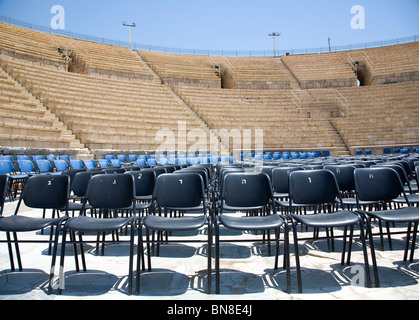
83 259
9 246
217 256
209 254
54 258
19 261
75 253
147 231
140 257
406 247
412 250
61 271
131 259
286 255
373 257
297 256
351 237
342 260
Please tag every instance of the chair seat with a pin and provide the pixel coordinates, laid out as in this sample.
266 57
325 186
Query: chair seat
19 176
77 206
181 224
272 221
22 224
413 198
408 214
286 203
326 220
352 202
88 224
138 206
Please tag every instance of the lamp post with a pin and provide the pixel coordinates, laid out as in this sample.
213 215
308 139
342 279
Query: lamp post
124 23
274 34
330 50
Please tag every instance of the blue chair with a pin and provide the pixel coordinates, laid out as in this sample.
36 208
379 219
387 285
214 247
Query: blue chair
141 162
109 157
103 163
76 164
152 162
26 166
44 166
115 163
60 166
132 157
6 167
89 164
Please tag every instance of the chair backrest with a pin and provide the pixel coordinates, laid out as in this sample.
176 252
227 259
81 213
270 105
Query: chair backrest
81 180
202 171
141 162
398 168
313 187
114 170
344 175
4 187
268 170
44 165
152 162
89 164
103 163
158 170
46 191
61 165
377 183
26 166
116 163
76 164
280 178
6 166
110 191
179 191
246 190
145 180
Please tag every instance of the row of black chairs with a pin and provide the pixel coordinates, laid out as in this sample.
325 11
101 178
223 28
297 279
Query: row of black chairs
200 190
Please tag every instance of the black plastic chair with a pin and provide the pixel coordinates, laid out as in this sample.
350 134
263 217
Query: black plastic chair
78 190
280 185
249 192
39 192
319 187
183 192
104 192
384 184
145 180
344 174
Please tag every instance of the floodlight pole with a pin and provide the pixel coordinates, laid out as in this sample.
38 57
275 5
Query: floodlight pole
274 34
124 23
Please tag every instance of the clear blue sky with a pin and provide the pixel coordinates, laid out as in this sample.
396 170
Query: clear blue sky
227 24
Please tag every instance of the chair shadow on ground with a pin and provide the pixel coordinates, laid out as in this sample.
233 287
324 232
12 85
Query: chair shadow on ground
19 282
91 283
163 282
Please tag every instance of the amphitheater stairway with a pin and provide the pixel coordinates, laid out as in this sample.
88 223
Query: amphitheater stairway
36 123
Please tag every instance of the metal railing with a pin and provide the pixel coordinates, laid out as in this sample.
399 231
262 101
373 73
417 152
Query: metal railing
210 52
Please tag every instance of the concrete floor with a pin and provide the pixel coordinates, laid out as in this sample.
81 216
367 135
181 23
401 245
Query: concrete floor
179 273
